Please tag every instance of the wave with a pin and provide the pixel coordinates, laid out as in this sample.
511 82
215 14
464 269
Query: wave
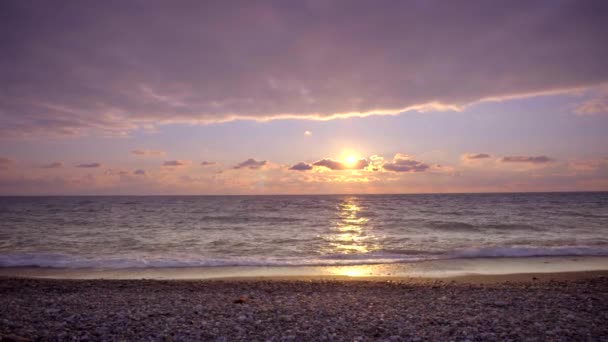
57 260
455 226
514 252
67 261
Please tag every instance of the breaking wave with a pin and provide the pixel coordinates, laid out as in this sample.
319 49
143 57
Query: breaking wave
55 260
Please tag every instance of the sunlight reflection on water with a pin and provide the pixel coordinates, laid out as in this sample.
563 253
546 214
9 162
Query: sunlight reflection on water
351 233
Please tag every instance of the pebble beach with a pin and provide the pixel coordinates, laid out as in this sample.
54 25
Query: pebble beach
528 308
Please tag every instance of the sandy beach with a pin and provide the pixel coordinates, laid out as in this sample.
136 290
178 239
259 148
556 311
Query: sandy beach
549 306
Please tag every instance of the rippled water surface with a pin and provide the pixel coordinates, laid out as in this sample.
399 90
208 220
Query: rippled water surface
296 230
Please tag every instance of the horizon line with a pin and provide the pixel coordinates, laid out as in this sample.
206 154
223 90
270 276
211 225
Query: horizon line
322 194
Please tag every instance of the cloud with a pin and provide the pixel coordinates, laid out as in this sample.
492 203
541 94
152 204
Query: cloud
527 159
111 172
54 165
578 167
201 63
563 175
177 163
139 172
375 162
301 167
404 163
142 152
208 163
595 105
474 156
89 166
336 165
251 164
6 163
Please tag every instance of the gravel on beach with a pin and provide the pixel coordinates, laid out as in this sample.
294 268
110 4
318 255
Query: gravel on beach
302 310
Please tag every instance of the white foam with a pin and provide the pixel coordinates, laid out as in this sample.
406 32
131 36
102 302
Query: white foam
494 252
65 261
56 260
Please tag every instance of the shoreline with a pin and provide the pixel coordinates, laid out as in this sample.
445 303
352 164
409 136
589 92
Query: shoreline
432 269
470 279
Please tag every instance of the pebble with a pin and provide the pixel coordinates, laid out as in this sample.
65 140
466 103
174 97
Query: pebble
328 310
500 304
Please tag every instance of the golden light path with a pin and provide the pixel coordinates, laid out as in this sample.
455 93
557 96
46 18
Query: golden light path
355 271
350 235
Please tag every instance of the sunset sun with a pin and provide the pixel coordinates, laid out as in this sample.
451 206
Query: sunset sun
350 160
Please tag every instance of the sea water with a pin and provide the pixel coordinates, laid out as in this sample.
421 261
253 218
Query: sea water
333 230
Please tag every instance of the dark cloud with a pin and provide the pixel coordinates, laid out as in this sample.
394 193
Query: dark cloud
403 163
251 164
477 156
143 152
527 159
208 163
89 166
139 172
111 172
336 165
54 165
110 68
176 163
301 167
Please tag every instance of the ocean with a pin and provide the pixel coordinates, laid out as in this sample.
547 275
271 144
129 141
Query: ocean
333 230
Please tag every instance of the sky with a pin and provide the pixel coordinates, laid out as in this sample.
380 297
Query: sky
302 97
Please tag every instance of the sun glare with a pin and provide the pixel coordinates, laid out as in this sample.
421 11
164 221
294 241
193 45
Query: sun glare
350 160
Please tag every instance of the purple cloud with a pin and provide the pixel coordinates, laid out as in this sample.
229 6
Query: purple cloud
472 156
593 106
143 152
403 163
54 165
176 163
201 63
89 166
301 167
139 172
336 165
251 164
111 172
596 102
527 159
208 163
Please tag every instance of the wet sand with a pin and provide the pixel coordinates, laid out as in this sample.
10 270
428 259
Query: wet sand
423 269
544 306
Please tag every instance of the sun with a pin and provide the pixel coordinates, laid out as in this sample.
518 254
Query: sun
350 160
